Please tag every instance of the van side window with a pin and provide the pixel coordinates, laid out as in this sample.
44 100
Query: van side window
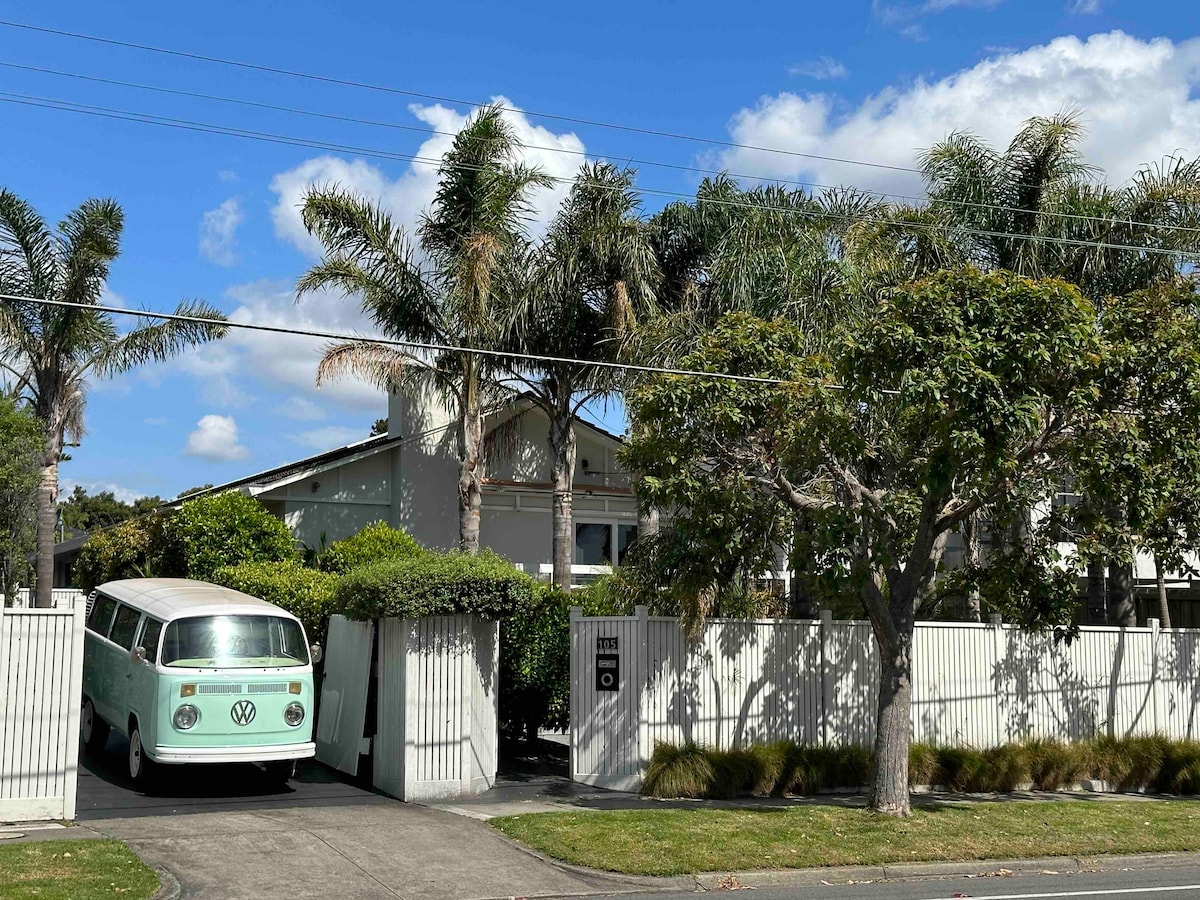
151 632
125 626
101 616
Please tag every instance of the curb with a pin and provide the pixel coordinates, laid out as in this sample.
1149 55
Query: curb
169 887
1055 865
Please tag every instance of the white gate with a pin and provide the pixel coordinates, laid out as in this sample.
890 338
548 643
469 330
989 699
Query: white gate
41 679
343 710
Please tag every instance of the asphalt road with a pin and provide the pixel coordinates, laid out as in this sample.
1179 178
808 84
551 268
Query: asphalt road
106 792
1175 883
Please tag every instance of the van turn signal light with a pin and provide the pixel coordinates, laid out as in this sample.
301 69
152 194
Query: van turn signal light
294 687
187 690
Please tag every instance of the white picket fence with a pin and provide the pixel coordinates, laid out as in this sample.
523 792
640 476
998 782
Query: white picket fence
41 677
746 681
59 596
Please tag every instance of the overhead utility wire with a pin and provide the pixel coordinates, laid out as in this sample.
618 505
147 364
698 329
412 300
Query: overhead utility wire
189 125
419 345
376 123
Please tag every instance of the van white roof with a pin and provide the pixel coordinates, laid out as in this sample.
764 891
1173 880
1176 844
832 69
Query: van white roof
176 598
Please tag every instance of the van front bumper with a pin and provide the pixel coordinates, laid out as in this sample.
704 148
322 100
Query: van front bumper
270 753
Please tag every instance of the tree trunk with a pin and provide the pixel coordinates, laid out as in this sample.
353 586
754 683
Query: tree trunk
889 784
800 600
1160 581
1121 609
973 557
1097 592
562 450
470 475
47 504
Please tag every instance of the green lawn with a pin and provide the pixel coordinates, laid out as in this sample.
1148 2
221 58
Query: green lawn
73 870
675 841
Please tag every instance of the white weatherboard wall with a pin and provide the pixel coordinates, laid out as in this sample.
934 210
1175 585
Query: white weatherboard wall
436 707
41 679
738 682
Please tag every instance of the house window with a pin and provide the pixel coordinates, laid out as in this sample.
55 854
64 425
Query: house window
602 543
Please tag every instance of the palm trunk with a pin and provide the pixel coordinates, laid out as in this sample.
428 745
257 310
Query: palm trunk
562 449
889 779
1160 582
470 474
973 556
1121 609
47 503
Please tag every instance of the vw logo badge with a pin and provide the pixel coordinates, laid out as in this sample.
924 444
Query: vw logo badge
243 712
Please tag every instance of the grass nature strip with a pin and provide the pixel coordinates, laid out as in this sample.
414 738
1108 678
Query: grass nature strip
685 841
73 870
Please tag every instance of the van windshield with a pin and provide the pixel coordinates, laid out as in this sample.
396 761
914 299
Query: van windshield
234 642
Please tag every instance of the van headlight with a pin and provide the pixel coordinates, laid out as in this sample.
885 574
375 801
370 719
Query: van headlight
186 716
293 714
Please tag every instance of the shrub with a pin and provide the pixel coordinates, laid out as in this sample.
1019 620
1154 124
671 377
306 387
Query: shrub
375 543
127 550
685 771
220 530
1129 764
923 767
434 584
1053 764
1180 771
535 664
305 593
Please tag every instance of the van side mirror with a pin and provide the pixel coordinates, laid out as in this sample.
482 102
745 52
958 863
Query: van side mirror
137 656
316 653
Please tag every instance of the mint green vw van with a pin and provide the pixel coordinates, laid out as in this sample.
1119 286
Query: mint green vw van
195 673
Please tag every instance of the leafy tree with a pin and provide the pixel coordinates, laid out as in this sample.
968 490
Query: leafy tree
193 490
86 512
590 277
20 451
452 293
52 353
962 390
219 530
379 427
130 549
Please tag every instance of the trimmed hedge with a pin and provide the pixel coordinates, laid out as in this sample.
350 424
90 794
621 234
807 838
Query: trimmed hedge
218 530
535 664
434 584
305 593
375 543
1148 763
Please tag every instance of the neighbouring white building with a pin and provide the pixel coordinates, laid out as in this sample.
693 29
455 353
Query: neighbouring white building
409 479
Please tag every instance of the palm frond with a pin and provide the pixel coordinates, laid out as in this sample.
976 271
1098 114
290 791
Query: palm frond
158 342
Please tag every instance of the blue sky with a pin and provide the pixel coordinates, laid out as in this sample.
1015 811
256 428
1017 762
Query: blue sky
214 217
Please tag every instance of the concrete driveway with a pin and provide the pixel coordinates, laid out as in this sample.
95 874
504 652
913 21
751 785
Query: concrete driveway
226 836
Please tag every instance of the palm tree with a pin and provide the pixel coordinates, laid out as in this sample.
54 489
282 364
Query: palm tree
590 277
470 242
51 353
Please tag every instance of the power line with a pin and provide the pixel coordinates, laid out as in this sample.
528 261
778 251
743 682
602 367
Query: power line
419 345
190 125
376 123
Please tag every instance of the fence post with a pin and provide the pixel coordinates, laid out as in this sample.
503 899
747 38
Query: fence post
575 698
1155 633
827 682
642 683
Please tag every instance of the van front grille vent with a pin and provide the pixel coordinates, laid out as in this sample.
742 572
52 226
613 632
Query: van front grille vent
275 687
219 689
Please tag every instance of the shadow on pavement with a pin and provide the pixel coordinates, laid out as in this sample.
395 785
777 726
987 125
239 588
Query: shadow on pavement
105 790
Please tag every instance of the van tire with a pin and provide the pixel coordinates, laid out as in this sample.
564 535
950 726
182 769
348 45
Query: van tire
280 771
142 769
93 730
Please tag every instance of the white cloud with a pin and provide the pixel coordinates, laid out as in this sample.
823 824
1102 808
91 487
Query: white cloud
1083 7
822 69
1136 98
901 16
216 439
302 409
227 175
330 437
407 196
218 232
124 494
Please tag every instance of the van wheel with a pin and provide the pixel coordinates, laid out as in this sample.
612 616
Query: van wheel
280 771
93 730
141 767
